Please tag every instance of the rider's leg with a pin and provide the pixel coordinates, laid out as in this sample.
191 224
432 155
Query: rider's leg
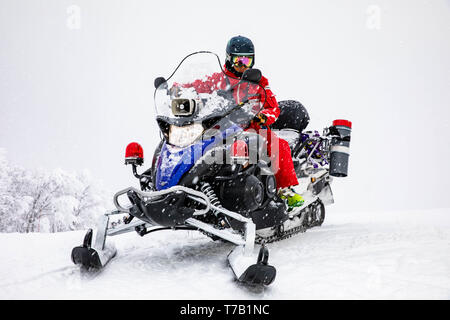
283 164
283 167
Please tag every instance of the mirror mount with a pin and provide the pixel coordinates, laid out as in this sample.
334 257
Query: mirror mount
135 171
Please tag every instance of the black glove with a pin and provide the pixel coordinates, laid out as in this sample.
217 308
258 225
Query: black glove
260 118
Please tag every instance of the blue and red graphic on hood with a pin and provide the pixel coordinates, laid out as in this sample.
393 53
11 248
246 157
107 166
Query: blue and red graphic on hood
174 162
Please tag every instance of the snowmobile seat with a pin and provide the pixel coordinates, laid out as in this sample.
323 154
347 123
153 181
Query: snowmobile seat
293 116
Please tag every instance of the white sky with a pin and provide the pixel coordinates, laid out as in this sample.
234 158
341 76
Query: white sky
73 98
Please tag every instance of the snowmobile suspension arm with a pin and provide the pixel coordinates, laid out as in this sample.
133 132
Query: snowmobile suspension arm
229 213
250 229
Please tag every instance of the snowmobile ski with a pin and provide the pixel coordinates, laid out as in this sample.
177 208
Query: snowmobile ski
247 271
98 255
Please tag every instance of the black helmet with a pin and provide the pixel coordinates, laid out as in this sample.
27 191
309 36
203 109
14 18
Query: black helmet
239 46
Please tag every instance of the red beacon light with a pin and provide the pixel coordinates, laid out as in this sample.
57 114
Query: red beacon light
342 122
134 154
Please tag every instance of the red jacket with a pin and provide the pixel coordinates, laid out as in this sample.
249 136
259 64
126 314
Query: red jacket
221 81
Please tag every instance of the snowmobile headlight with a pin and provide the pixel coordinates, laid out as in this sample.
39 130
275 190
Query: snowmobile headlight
186 135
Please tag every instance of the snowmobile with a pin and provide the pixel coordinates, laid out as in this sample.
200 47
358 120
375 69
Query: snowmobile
210 174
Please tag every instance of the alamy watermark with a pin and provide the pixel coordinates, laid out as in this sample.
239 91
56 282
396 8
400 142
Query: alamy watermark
73 21
373 19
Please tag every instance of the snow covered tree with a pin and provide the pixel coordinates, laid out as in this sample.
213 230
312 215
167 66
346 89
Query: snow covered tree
38 201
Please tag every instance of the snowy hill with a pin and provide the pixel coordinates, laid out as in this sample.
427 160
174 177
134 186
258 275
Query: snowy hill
360 255
76 86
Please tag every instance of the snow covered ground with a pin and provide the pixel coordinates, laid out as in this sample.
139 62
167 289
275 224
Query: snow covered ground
365 255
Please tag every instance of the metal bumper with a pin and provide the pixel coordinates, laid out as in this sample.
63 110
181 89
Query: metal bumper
247 240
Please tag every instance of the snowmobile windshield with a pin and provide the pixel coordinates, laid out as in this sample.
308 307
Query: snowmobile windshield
199 91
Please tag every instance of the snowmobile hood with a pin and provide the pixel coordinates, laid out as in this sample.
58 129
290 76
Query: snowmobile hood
174 162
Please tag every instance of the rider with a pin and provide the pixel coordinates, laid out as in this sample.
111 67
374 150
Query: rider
240 56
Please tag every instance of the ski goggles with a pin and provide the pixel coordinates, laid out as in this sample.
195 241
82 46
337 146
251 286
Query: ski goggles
242 61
